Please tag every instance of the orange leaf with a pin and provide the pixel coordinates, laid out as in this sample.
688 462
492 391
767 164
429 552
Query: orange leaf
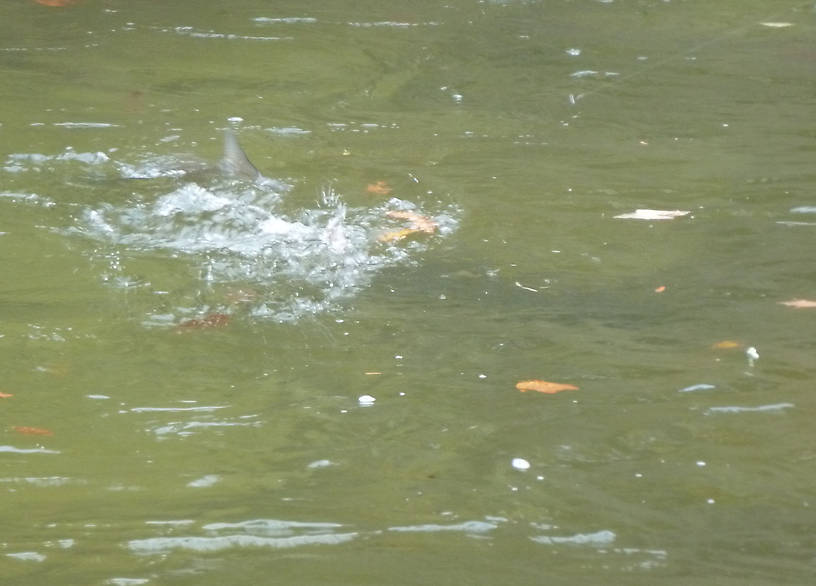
726 345
379 188
418 222
5 395
397 234
542 386
799 303
25 430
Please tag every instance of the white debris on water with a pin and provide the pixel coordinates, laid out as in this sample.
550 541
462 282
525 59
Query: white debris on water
320 464
697 387
366 400
647 214
520 464
204 481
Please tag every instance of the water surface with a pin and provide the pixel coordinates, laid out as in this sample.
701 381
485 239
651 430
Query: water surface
186 351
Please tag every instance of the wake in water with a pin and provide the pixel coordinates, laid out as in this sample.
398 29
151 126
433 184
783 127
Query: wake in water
249 254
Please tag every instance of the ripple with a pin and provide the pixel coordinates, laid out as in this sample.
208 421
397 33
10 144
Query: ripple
603 537
15 450
774 407
162 545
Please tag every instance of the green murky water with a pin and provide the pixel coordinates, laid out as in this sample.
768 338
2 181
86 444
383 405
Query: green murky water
240 453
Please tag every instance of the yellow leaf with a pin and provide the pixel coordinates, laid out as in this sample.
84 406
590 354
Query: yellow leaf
726 345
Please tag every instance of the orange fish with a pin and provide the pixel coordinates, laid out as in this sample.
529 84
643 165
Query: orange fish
5 395
542 386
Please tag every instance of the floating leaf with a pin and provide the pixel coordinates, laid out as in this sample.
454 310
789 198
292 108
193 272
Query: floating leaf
542 386
726 345
26 430
799 303
418 222
645 214
379 188
398 234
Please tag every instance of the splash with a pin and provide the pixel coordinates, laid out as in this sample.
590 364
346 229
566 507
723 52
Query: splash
242 242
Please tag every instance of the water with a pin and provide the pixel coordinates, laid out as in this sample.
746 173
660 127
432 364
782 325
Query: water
186 351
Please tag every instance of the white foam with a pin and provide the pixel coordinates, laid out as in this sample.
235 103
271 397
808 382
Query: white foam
465 527
603 537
